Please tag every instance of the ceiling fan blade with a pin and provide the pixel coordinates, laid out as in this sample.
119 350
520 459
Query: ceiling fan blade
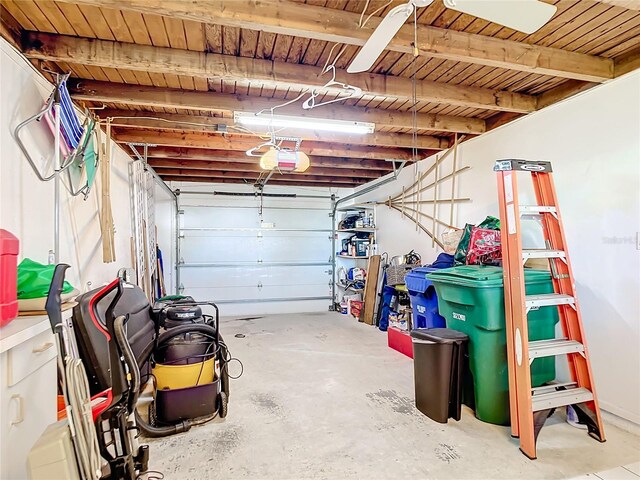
523 15
380 38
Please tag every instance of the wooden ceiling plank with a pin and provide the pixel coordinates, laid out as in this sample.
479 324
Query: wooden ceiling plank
12 7
186 83
195 33
620 34
214 180
38 19
255 167
77 20
237 143
99 23
176 33
117 24
56 17
289 177
137 27
107 92
185 62
157 31
157 79
201 84
595 18
302 20
180 154
601 32
113 75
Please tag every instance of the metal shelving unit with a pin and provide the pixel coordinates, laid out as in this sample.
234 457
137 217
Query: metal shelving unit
340 212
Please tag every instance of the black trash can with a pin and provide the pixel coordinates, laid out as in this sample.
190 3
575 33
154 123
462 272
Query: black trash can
438 355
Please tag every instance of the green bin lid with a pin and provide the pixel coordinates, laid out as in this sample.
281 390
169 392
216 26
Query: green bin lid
482 276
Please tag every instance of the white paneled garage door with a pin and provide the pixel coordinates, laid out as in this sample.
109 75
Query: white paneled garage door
256 256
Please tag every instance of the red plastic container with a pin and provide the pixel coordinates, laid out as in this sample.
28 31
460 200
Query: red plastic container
400 340
9 248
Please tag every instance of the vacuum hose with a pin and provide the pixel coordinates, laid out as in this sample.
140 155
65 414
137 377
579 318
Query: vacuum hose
148 429
129 358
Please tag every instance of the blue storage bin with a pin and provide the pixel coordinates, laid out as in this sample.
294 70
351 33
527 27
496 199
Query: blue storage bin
424 301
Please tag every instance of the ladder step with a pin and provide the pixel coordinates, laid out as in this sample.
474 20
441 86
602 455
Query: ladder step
560 398
542 253
548 300
536 209
552 387
555 346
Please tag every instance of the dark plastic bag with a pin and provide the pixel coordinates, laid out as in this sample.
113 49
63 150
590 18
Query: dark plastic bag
34 280
460 256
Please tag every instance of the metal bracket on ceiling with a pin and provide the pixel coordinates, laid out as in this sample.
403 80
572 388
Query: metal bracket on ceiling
142 157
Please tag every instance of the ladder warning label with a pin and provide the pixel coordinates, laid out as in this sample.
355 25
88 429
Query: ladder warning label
508 188
511 219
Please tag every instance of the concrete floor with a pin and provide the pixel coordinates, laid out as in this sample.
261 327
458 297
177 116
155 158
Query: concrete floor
322 396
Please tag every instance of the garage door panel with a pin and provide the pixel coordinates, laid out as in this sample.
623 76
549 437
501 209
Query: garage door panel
269 248
298 218
239 277
230 294
209 249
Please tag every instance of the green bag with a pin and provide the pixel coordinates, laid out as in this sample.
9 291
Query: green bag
460 257
34 280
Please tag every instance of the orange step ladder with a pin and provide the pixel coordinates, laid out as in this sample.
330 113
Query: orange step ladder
530 407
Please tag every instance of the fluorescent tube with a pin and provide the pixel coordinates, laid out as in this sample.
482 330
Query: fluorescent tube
283 121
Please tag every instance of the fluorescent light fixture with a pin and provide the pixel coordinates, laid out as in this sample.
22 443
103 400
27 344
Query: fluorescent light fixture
284 121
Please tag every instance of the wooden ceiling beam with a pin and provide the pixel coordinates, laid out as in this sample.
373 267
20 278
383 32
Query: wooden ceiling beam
221 142
201 123
300 178
563 91
334 25
248 167
324 184
210 155
285 177
628 62
101 53
106 92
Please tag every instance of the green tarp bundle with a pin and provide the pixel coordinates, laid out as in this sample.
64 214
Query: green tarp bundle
34 280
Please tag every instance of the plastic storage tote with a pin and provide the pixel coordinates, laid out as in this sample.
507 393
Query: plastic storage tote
438 355
471 299
424 301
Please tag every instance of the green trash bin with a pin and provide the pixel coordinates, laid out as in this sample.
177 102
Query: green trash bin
471 299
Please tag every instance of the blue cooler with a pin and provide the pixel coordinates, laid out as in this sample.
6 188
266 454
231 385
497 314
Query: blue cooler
424 301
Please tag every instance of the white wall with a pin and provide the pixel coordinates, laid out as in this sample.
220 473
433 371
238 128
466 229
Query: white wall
593 142
26 203
165 217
